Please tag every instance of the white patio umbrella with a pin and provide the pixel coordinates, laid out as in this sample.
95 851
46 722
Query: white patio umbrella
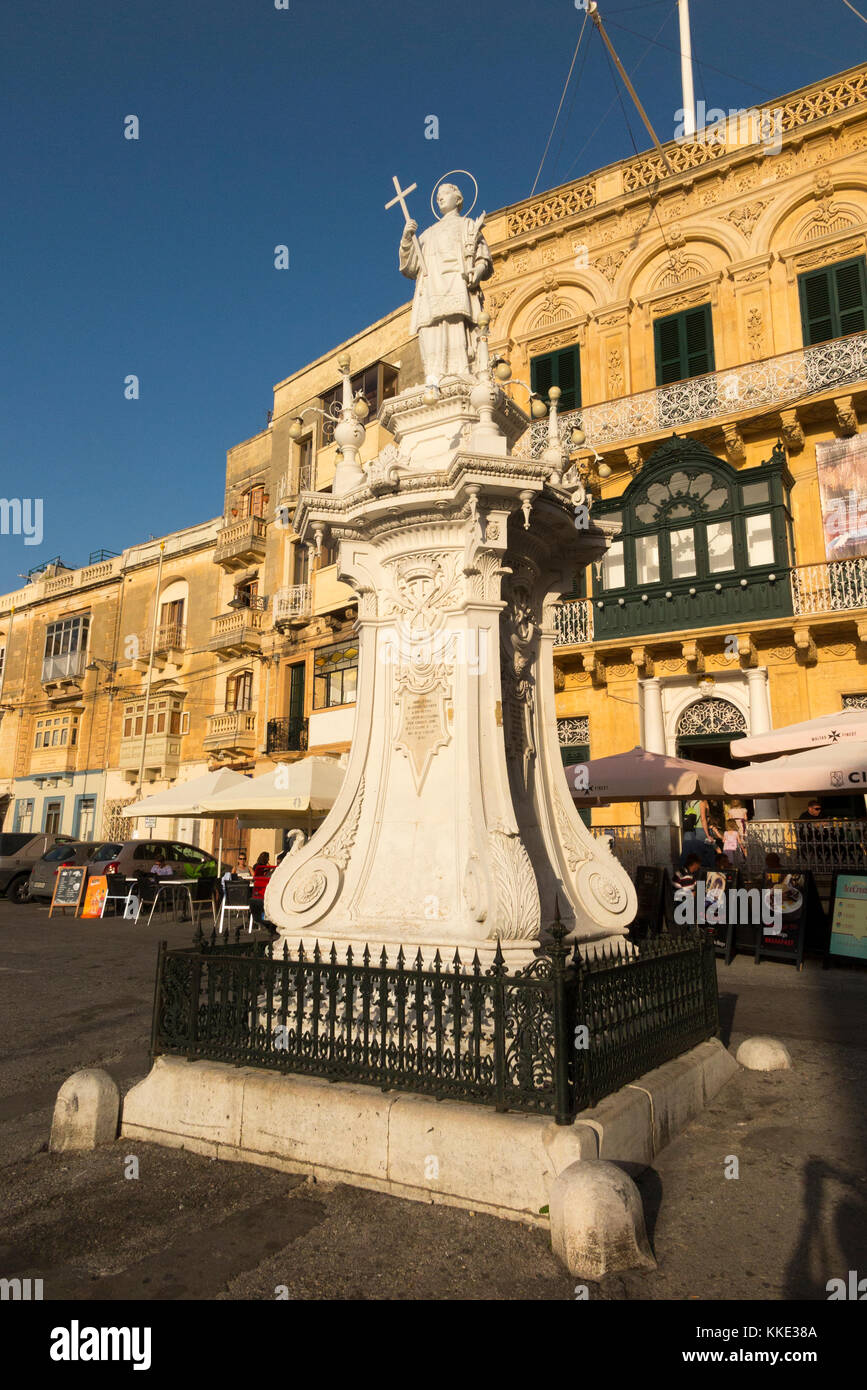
285 796
843 727
186 800
836 767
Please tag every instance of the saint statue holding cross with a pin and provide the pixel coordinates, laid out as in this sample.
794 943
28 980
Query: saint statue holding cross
448 263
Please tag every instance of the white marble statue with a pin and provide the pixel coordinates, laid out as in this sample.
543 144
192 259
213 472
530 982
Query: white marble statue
448 263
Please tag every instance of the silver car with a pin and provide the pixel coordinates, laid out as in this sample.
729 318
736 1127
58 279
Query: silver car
43 875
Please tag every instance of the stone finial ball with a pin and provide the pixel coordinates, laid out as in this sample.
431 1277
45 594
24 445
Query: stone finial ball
554 393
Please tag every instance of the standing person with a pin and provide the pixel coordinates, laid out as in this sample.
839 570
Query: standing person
733 843
711 821
808 840
695 842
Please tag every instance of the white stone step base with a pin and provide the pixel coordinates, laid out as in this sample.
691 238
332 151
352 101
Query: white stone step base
449 1152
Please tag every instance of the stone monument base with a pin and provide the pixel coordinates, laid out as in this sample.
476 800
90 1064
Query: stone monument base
447 1152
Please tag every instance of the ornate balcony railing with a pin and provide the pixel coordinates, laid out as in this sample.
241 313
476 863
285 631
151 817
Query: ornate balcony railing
291 603
573 623
286 735
753 385
822 846
835 587
232 730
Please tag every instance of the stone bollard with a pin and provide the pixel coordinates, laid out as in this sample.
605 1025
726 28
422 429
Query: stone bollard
763 1054
597 1220
85 1113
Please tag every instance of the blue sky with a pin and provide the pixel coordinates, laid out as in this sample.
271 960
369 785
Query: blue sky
261 127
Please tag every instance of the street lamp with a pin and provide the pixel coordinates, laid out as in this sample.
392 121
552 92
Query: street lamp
348 418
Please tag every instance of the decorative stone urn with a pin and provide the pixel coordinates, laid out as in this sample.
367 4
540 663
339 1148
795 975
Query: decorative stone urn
454 827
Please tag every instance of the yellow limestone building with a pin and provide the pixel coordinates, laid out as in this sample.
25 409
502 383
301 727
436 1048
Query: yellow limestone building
704 317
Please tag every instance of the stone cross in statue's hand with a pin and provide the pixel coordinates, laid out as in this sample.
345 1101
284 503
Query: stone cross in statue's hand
401 196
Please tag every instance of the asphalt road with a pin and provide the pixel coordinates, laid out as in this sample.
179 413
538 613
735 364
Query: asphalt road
76 994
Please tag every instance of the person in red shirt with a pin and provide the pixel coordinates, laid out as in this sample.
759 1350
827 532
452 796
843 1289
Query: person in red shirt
262 871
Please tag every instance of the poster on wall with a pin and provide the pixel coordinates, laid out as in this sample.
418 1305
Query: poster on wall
849 916
842 468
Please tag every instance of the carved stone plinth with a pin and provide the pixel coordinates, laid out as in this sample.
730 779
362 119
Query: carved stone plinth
454 826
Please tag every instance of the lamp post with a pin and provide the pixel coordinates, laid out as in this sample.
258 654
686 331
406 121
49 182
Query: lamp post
348 432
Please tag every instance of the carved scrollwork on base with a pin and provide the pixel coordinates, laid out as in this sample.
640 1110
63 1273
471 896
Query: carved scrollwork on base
518 913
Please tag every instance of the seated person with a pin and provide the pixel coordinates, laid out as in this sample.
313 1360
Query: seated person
684 879
241 870
160 868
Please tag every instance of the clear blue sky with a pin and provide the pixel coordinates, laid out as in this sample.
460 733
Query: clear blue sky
258 127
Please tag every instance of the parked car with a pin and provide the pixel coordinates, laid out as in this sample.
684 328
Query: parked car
136 856
19 852
43 875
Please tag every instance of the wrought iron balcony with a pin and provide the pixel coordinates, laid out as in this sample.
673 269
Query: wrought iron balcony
291 605
237 632
573 623
718 395
241 543
839 586
287 735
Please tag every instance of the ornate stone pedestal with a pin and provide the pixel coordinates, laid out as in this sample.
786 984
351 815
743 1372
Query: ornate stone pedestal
454 826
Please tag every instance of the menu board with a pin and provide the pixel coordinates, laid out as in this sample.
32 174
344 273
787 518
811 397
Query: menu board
849 916
652 889
95 896
718 883
787 899
68 888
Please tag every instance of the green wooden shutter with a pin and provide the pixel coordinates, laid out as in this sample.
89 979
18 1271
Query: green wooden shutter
542 375
851 298
669 364
684 345
561 369
698 334
817 313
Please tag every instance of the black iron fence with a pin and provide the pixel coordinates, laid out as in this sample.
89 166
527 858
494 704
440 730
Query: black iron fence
552 1038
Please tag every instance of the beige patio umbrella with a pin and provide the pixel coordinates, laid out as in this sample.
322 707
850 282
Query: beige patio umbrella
287 795
844 727
642 776
186 800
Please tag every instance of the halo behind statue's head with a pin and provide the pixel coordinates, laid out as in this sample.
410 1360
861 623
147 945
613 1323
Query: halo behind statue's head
442 183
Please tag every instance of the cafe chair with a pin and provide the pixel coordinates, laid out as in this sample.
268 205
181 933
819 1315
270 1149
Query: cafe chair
147 890
202 894
237 897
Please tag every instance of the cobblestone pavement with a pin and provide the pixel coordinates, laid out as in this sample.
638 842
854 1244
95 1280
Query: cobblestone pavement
75 994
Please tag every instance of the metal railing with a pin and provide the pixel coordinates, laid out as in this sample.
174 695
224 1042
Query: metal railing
286 735
822 846
293 601
452 1031
752 385
834 587
573 622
